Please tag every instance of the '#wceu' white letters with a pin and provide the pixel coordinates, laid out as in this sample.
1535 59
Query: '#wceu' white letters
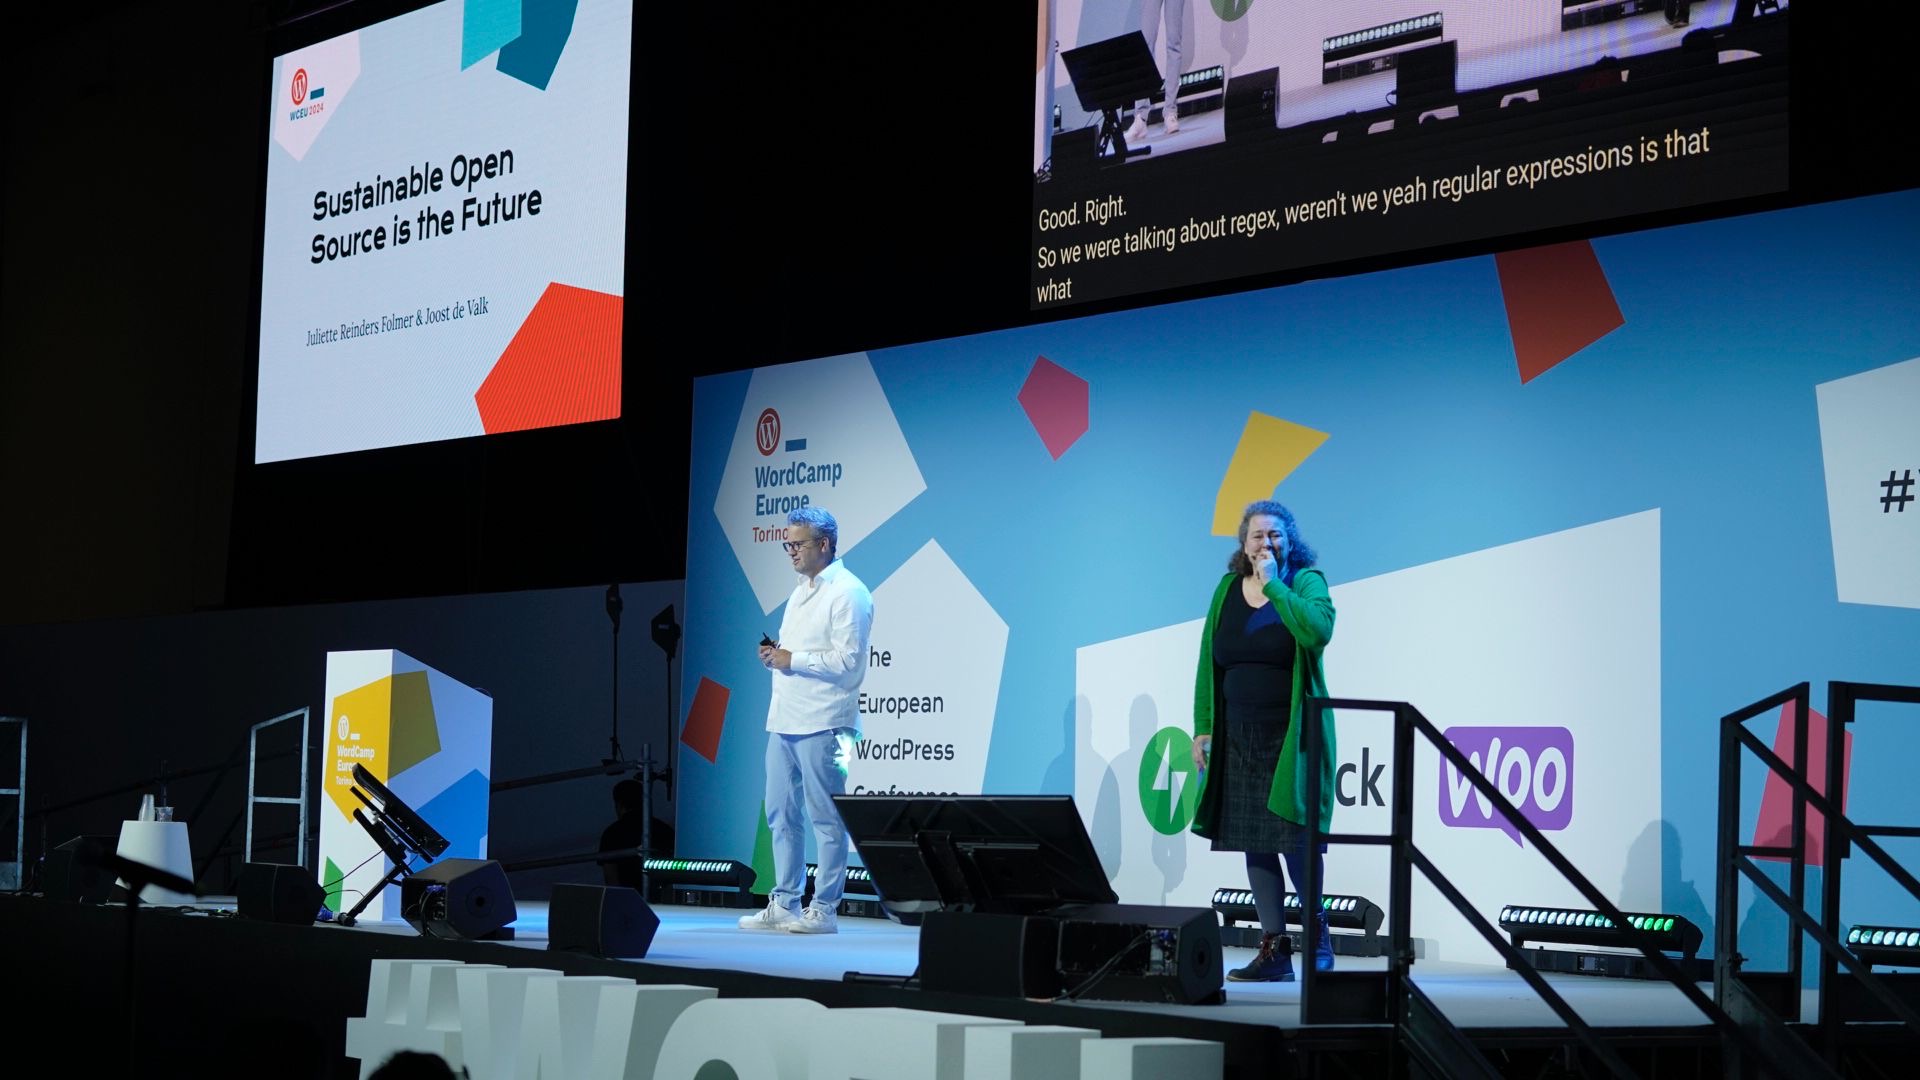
534 1024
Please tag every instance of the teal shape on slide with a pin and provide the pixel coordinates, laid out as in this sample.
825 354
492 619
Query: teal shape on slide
486 26
545 26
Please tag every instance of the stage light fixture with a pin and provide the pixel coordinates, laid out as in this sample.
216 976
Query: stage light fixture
1338 53
700 882
1235 905
1887 946
1570 926
1576 14
711 873
1344 912
859 879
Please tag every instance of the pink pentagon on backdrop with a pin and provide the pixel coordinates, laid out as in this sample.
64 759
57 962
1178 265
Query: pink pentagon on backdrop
1775 826
1055 401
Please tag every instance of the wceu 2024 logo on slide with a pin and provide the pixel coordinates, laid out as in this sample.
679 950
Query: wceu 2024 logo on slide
306 97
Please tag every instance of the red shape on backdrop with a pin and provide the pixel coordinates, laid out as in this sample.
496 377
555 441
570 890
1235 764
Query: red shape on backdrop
1558 302
562 366
1055 401
1775 828
705 719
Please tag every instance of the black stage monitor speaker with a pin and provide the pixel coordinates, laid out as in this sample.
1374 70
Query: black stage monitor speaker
1075 152
1252 105
275 893
1425 76
458 898
600 920
966 952
1147 953
72 877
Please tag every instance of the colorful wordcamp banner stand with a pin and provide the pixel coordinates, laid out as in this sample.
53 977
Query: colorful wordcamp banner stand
422 734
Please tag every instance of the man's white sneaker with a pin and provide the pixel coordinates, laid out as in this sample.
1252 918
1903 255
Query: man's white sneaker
815 920
1138 132
1171 118
771 917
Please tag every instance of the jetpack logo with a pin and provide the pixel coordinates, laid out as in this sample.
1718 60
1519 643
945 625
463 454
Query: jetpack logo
1169 786
1531 766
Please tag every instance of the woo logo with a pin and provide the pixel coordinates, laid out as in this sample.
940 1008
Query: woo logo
300 86
766 432
1531 766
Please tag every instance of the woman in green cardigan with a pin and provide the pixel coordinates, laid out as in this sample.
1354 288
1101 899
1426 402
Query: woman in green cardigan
1270 620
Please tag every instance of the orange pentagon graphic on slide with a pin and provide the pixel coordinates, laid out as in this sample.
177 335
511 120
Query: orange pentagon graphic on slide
562 366
1558 302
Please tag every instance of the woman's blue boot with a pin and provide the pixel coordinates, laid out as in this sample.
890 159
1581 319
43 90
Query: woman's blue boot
1323 949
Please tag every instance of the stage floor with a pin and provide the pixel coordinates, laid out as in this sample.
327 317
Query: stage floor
1473 996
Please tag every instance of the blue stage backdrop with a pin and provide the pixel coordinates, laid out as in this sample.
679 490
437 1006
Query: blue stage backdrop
1575 503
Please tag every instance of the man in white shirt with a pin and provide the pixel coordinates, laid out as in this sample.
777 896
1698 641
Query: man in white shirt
817 667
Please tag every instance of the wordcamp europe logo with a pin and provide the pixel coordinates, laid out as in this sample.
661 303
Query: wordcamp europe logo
766 435
1531 766
306 97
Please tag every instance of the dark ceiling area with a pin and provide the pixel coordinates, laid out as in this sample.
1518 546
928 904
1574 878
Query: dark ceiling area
804 180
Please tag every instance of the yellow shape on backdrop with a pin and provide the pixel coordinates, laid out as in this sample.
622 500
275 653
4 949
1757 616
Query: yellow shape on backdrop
1270 449
357 730
415 731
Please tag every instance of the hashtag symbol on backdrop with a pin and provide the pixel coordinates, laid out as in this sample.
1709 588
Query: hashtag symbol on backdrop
1890 501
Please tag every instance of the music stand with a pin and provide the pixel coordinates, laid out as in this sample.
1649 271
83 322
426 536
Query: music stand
398 830
1007 854
1111 75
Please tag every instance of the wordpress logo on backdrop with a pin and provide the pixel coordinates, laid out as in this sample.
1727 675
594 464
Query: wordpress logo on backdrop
766 432
1531 766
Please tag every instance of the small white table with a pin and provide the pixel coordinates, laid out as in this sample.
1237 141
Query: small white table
162 844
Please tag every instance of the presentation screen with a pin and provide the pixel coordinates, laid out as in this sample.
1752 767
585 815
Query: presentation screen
445 228
1315 132
1571 516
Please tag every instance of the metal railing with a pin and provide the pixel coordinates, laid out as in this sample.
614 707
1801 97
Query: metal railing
13 872
1838 833
254 798
1392 997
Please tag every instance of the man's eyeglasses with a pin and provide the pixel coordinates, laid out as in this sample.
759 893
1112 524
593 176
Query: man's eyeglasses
795 545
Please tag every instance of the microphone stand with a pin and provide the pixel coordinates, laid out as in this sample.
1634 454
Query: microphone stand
666 634
615 605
